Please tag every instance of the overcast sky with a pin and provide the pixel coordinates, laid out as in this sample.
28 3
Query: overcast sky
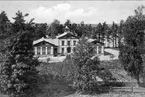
77 11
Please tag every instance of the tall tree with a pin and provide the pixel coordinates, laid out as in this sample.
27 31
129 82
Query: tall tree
40 30
81 30
30 25
120 32
105 29
74 28
54 29
4 23
133 45
114 33
19 22
19 74
68 23
99 31
89 30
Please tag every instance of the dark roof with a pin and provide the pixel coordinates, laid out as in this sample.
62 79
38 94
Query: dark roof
95 41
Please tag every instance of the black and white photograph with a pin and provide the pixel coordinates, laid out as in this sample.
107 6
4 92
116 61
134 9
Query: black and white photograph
70 48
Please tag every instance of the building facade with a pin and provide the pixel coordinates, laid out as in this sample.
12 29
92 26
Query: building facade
62 45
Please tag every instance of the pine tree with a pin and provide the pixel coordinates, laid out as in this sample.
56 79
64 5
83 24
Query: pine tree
19 74
4 22
19 22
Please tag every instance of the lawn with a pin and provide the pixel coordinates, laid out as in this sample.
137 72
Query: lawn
58 86
112 64
54 81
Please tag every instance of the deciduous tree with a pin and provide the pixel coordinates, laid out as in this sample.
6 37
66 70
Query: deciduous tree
87 67
54 29
131 49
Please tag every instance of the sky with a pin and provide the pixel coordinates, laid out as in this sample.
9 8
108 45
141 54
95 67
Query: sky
91 12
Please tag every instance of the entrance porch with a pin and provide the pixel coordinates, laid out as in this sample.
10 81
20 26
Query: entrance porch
45 51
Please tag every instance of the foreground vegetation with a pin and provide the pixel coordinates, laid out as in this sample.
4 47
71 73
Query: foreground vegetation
55 83
56 86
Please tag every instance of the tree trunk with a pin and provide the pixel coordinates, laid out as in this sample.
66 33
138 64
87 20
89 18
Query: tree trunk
116 41
99 36
113 41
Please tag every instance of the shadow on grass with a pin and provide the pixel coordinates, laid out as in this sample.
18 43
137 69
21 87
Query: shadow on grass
105 88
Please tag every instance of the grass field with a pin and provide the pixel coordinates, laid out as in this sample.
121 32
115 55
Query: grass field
54 81
58 86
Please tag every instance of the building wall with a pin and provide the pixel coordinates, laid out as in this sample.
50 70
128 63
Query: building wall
44 49
99 49
63 45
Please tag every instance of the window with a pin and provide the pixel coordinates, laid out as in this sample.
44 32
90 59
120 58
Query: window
74 49
35 49
48 50
62 42
38 50
74 42
68 42
99 50
68 49
43 51
62 50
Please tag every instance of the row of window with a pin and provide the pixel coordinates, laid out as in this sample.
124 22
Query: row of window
68 43
69 49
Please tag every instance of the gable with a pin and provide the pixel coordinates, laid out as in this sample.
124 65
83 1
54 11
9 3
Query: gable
44 43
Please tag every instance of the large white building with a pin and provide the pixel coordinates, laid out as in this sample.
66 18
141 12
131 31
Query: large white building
63 44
